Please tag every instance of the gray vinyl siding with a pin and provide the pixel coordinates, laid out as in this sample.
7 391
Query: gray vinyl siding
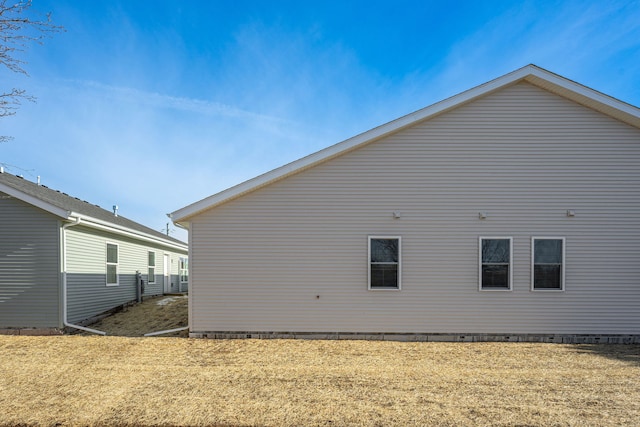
155 288
174 267
173 286
292 256
29 266
88 294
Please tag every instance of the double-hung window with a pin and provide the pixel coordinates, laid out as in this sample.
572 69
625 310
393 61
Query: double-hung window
152 267
184 270
495 269
547 263
384 262
112 264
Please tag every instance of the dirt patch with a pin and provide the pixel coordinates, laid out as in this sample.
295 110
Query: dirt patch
153 314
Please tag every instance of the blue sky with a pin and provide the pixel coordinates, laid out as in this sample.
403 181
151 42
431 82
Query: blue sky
153 105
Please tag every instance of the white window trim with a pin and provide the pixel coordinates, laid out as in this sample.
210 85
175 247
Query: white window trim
149 279
480 288
167 281
180 270
562 275
369 238
117 264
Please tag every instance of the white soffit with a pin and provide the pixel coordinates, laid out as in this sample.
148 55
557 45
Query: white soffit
530 73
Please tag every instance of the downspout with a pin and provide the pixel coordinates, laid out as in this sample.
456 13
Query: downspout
64 282
168 331
188 228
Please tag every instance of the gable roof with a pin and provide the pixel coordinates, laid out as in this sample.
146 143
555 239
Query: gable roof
71 209
532 74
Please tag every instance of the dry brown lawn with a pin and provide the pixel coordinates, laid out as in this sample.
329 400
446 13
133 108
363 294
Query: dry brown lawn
92 380
152 315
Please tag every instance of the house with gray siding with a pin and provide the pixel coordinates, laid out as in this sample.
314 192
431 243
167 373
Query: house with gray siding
508 212
64 261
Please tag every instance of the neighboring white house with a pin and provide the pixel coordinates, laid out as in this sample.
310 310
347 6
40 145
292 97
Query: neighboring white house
64 261
510 212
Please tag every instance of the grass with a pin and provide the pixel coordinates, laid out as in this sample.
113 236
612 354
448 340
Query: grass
154 314
91 380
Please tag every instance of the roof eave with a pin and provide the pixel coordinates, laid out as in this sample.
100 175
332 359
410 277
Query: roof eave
530 73
323 155
121 230
32 200
586 96
67 215
183 214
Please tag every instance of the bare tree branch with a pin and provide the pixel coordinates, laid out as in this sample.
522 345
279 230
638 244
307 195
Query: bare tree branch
17 32
10 101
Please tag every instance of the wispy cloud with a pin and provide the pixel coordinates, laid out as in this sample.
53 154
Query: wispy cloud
153 112
570 38
162 101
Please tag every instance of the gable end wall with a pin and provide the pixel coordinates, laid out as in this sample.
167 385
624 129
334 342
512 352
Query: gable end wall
292 257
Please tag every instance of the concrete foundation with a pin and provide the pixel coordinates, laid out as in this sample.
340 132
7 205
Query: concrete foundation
543 338
31 331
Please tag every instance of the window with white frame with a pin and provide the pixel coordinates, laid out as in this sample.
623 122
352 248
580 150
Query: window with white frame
184 270
547 263
384 262
495 263
151 267
112 264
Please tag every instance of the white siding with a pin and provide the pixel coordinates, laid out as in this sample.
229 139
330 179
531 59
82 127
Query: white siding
292 256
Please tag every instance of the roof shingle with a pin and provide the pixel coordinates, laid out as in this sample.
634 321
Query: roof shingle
73 204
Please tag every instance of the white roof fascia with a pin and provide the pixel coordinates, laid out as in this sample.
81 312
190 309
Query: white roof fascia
62 213
343 147
584 95
530 73
86 220
113 228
